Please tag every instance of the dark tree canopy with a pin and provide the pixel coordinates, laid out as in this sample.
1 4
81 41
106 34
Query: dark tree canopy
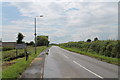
42 41
20 38
89 40
30 43
95 39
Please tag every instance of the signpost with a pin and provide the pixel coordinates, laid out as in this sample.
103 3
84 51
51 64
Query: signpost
22 46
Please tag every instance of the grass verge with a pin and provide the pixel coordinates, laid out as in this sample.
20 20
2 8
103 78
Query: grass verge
15 70
97 56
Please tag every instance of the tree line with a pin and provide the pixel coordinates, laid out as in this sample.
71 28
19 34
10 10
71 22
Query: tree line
41 40
109 48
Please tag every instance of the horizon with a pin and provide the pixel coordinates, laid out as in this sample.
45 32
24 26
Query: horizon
70 41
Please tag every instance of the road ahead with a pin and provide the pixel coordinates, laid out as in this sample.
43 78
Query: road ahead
61 63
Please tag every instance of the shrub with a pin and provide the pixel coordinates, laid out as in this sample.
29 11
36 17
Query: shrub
109 48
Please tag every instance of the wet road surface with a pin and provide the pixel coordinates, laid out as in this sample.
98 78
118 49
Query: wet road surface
61 63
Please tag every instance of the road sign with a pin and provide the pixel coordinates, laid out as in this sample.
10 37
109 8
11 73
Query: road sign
20 46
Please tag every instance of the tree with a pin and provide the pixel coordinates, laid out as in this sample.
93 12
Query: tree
20 38
95 39
42 41
27 43
31 43
89 40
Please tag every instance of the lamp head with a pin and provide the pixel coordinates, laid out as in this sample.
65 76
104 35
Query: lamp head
41 15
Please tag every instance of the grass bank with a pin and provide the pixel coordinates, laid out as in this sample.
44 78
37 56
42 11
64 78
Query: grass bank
15 70
97 56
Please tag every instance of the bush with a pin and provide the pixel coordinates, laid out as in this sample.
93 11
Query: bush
107 48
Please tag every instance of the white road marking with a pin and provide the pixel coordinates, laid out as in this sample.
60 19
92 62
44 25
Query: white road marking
66 56
88 70
42 73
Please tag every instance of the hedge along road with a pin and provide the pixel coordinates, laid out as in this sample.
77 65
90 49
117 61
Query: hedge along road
61 63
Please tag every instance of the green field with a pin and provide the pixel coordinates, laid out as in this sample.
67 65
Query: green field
11 54
15 68
7 48
107 51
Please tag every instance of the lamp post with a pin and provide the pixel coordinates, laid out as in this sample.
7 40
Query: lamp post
36 33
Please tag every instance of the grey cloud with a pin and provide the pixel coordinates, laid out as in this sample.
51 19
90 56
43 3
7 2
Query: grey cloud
74 21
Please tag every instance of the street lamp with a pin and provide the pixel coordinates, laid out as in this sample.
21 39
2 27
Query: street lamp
35 32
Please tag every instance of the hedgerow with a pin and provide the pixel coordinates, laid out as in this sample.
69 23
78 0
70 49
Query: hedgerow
109 48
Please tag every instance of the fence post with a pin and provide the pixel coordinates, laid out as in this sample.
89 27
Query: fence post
16 52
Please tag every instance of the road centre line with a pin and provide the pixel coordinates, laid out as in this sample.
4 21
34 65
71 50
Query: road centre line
65 56
88 70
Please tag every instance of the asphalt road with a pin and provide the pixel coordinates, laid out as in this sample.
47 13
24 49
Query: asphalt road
61 63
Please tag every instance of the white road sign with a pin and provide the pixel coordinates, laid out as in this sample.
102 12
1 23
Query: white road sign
20 46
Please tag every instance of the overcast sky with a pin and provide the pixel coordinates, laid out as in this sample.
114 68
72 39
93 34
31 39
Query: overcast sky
62 21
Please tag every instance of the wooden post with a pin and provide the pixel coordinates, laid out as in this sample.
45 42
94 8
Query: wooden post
16 52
